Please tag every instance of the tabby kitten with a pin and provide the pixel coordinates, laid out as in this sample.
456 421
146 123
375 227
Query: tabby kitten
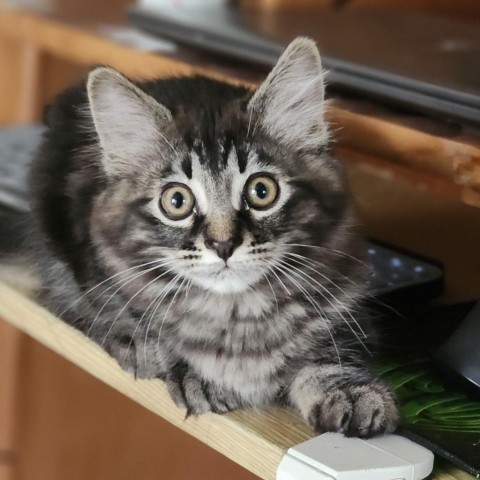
201 233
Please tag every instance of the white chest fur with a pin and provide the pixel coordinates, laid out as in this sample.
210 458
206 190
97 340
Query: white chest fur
230 334
235 340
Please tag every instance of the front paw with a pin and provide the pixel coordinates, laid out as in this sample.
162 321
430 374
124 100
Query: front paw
344 399
360 411
189 391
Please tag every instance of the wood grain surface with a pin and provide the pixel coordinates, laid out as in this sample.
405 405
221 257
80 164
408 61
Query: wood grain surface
72 426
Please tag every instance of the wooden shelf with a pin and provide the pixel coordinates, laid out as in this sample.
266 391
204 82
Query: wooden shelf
257 440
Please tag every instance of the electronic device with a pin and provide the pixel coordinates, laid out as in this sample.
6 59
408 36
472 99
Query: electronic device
400 274
458 359
332 456
424 62
17 147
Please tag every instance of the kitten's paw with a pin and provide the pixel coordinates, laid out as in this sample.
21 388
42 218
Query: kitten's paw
344 399
375 411
197 396
361 411
331 413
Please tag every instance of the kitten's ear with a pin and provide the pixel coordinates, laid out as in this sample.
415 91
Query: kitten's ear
290 103
127 120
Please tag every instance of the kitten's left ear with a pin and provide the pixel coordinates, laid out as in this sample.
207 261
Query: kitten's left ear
290 103
129 122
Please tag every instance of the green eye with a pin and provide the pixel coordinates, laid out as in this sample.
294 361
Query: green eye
177 201
261 191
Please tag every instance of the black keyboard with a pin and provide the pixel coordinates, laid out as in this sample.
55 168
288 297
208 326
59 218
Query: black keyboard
17 147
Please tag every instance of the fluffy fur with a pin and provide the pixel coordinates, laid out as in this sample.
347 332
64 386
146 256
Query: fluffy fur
233 306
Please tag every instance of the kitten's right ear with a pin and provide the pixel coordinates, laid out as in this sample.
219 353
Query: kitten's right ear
127 120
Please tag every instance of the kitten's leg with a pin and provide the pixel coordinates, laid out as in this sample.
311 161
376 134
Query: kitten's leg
143 358
344 399
198 396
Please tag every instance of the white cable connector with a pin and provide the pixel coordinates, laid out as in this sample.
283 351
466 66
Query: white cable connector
332 456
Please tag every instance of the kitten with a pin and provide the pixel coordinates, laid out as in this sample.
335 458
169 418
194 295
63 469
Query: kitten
202 233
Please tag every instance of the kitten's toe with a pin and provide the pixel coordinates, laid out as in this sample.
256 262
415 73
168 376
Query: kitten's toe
175 389
196 400
174 382
375 411
361 411
221 401
205 397
123 351
187 391
331 413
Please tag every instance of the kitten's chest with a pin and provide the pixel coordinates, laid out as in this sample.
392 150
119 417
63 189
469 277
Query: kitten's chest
239 345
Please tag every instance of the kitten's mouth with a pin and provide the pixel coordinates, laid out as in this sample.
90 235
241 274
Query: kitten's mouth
225 271
226 278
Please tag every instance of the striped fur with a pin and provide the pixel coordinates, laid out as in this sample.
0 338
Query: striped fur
277 321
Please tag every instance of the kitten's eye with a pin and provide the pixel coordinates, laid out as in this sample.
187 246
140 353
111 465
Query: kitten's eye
177 201
261 191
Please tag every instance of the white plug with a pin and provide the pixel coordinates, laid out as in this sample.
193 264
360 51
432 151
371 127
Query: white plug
332 456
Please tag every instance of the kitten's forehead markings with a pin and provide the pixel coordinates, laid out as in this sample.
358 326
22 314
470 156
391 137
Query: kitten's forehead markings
232 160
202 183
255 165
236 179
239 179
217 188
221 145
199 148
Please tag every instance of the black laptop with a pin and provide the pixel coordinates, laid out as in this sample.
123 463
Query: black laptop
423 62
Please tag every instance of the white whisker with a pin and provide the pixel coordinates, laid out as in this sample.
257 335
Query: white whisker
273 291
168 308
331 250
130 300
307 278
139 322
130 279
106 280
166 291
326 290
280 281
314 304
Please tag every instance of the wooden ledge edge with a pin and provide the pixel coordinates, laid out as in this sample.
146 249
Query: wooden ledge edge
255 440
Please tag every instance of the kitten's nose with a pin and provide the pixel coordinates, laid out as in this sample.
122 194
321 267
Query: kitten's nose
224 249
